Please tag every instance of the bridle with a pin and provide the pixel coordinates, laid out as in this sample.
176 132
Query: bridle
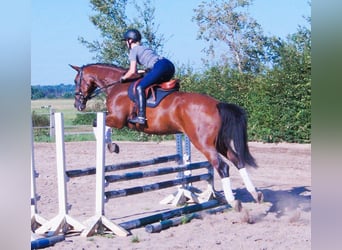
84 98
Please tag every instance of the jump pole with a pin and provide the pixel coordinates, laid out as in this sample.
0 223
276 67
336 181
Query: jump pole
36 219
98 221
169 214
62 222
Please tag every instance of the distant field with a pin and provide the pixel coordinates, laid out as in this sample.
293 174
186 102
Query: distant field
60 105
65 106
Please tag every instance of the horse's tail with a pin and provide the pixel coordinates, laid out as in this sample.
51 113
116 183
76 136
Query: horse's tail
234 128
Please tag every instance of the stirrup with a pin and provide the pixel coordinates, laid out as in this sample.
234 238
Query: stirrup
138 119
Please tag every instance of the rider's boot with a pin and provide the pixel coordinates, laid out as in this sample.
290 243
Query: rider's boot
141 118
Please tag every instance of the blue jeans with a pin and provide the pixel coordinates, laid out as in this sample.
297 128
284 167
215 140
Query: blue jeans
163 70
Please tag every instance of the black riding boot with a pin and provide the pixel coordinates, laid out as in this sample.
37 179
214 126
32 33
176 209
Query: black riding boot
141 118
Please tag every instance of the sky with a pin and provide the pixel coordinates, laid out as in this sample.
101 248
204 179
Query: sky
57 25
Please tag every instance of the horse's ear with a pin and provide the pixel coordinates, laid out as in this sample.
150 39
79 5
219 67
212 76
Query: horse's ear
75 67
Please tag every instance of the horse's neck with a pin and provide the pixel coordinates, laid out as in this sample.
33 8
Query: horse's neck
108 80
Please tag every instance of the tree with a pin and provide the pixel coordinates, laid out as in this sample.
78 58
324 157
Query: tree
147 26
227 28
111 19
291 77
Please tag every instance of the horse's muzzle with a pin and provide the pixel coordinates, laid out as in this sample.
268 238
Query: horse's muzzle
80 106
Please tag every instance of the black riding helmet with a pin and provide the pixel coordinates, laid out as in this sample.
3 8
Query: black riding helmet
132 34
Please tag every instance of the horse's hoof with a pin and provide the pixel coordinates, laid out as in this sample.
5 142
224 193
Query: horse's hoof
113 148
237 206
258 196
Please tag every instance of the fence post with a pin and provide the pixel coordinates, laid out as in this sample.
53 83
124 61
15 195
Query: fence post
52 123
62 222
99 221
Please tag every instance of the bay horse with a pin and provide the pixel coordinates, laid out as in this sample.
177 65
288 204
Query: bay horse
214 128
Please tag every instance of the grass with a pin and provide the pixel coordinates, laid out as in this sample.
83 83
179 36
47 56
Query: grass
135 239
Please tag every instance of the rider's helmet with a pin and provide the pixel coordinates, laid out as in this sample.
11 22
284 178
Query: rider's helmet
132 34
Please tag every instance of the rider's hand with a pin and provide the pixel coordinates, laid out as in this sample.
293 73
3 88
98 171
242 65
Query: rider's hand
122 80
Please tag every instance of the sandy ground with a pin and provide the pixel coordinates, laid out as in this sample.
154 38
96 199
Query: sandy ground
282 221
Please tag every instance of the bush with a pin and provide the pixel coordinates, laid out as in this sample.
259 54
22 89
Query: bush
41 121
84 118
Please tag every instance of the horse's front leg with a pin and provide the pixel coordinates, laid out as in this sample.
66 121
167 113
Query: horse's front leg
112 147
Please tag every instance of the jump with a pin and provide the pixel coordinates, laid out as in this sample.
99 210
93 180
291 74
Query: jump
215 128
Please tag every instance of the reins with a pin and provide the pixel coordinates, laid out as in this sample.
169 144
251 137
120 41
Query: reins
98 90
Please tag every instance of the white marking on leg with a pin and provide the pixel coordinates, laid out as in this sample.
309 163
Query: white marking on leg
228 193
95 132
248 183
108 135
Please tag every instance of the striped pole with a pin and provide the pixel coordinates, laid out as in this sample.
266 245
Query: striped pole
169 214
160 171
46 242
156 186
165 224
123 166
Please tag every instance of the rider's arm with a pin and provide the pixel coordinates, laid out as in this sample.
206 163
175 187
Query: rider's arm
131 71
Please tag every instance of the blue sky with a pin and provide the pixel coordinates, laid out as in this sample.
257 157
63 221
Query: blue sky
56 26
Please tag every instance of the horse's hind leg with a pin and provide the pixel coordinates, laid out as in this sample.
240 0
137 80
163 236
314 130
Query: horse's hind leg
223 171
257 196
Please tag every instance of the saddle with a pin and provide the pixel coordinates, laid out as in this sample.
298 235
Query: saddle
156 92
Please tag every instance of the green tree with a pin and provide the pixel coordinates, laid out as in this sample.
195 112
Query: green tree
145 22
227 28
111 19
291 84
36 93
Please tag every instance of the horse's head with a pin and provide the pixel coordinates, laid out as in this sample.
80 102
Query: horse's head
84 87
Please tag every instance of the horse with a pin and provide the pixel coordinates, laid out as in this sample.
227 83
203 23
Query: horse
215 128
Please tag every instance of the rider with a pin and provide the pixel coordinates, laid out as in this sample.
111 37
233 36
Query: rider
159 70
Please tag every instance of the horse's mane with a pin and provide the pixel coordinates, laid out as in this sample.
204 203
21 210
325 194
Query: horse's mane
105 65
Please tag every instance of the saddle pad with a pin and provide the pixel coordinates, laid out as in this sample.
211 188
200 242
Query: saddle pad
150 102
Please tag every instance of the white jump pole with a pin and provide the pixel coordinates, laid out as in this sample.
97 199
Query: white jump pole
98 221
36 219
62 222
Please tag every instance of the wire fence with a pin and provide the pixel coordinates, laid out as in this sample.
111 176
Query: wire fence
44 124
